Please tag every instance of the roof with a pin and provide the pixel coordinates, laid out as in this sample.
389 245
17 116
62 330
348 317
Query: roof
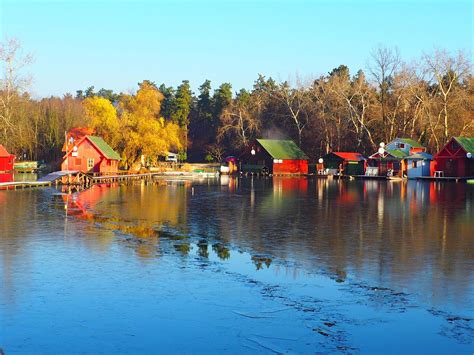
467 143
410 141
282 149
396 153
420 156
3 152
349 156
106 149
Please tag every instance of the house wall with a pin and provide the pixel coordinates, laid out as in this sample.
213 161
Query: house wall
453 162
108 166
393 145
6 163
422 168
453 167
6 177
291 167
354 168
86 150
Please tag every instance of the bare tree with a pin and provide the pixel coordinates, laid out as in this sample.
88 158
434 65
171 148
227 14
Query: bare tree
357 98
294 101
12 84
446 72
240 119
384 64
216 151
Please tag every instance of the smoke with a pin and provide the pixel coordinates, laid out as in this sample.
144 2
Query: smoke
273 133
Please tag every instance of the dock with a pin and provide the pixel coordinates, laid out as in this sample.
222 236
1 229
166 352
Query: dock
446 178
79 179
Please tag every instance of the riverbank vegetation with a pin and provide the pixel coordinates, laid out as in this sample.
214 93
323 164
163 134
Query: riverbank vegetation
430 100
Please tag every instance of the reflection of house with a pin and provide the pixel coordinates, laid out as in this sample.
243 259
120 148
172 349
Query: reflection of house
275 157
6 159
346 162
91 155
390 160
418 164
456 158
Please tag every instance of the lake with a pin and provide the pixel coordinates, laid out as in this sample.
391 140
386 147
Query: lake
239 265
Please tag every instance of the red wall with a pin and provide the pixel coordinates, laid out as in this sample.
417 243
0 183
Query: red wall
291 167
87 150
6 177
452 160
6 163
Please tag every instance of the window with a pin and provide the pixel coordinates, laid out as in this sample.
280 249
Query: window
90 163
401 145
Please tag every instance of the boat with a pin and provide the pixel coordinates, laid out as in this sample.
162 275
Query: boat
26 166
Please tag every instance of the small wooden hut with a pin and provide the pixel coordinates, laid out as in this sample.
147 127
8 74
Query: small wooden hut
6 160
418 165
456 158
345 163
91 154
274 156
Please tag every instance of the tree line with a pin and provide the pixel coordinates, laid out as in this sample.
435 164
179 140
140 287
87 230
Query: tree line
430 100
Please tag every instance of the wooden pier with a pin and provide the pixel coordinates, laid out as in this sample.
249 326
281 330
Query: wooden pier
446 178
81 180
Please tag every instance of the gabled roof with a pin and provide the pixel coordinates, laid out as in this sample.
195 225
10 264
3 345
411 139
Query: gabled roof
349 156
420 156
282 149
390 154
3 152
106 149
467 143
409 141
396 153
76 133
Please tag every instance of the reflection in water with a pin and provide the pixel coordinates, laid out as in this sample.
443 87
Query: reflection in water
415 234
413 237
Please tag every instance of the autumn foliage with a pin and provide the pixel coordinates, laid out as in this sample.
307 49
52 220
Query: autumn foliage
133 126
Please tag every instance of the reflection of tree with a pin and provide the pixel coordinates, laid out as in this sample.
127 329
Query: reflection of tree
183 248
222 252
259 261
382 231
417 235
203 249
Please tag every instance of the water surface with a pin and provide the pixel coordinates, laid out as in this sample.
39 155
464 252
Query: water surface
239 265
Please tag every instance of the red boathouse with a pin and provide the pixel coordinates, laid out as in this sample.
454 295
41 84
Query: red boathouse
6 160
456 159
91 154
274 156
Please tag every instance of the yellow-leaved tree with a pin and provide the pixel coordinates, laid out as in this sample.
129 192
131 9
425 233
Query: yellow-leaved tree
102 118
144 132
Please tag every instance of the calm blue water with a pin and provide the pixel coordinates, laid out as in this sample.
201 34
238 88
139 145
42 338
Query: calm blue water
239 265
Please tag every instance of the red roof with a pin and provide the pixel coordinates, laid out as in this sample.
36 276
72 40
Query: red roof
349 156
3 152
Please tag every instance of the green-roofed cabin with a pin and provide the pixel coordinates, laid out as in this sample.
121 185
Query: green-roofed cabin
274 156
91 154
456 158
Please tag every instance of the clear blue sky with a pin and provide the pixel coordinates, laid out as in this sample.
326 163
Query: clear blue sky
115 44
